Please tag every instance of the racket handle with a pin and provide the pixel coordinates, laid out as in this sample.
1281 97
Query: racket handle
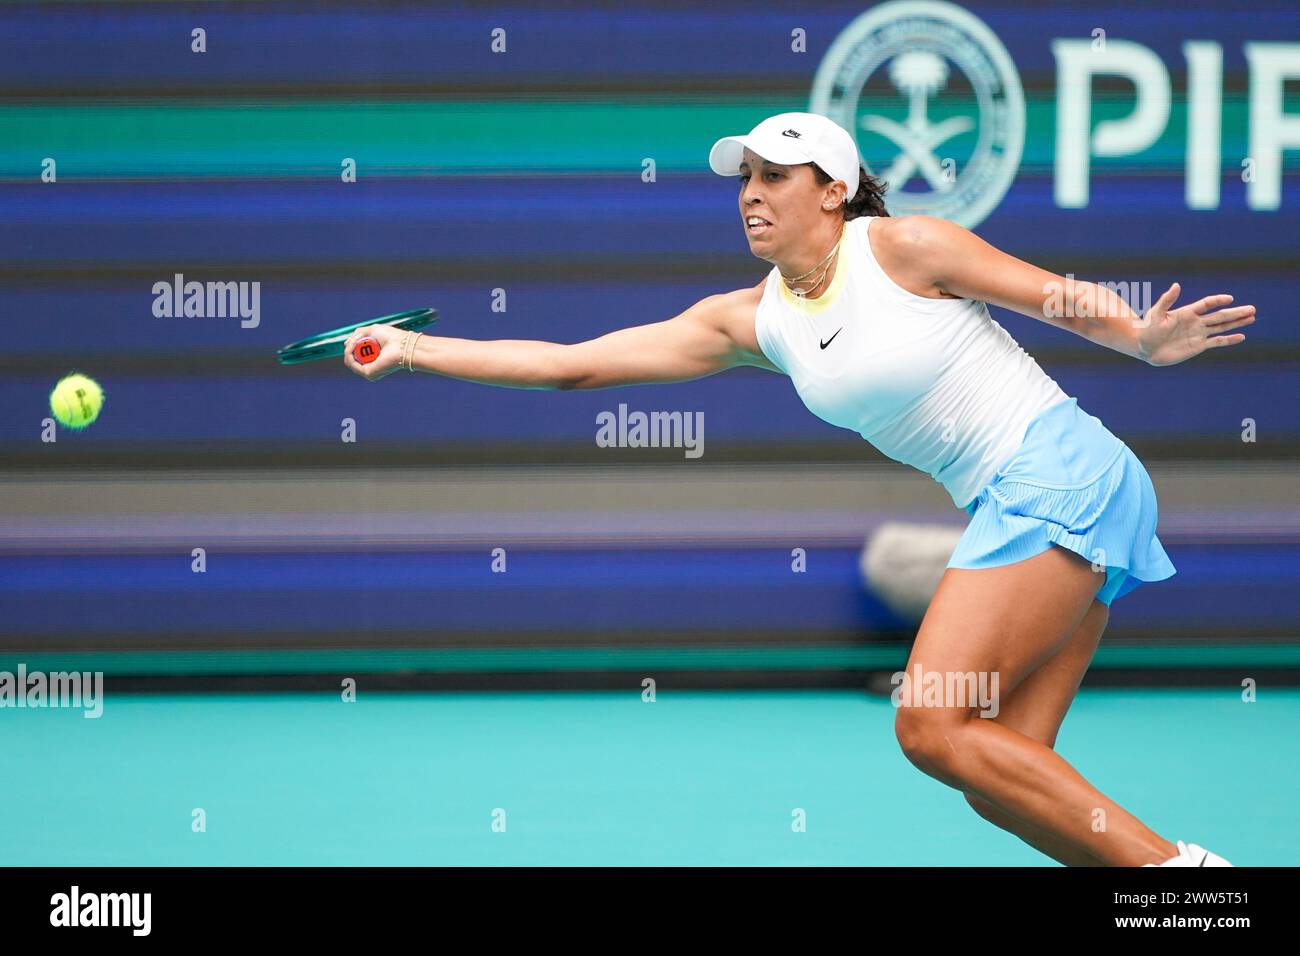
366 349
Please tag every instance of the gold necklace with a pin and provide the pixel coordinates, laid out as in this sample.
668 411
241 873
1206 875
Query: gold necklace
824 265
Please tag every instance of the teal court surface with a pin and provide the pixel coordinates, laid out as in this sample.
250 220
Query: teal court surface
603 778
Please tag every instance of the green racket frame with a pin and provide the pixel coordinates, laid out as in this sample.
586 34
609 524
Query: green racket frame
330 344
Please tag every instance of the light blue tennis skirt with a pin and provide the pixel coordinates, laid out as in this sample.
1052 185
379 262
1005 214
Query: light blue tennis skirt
1072 483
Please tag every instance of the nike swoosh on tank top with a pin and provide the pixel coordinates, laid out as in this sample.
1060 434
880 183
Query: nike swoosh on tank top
936 384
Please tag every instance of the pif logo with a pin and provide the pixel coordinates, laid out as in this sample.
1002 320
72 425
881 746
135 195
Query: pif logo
888 73
932 96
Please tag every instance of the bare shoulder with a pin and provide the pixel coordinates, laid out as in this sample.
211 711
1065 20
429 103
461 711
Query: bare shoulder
723 309
904 234
908 248
733 313
747 299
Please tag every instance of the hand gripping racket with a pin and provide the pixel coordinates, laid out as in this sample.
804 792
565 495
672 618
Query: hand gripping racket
365 350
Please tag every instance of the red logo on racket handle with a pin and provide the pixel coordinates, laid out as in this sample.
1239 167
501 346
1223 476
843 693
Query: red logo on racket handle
366 350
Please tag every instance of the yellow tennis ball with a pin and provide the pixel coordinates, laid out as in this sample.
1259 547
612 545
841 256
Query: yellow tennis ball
76 401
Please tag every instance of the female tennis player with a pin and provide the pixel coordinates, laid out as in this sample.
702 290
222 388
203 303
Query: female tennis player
882 326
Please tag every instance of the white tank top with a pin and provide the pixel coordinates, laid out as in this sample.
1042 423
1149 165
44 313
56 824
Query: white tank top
933 383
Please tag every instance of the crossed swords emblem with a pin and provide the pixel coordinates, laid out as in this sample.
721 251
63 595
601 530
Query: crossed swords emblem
918 74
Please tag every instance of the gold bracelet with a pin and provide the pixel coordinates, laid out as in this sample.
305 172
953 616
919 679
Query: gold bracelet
401 354
410 350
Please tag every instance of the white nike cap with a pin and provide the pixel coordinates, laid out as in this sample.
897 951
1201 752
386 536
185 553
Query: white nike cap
791 139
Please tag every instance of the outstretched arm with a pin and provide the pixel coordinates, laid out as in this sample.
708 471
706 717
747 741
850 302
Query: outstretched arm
960 263
707 338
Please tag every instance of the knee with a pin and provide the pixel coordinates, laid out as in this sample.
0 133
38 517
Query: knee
928 738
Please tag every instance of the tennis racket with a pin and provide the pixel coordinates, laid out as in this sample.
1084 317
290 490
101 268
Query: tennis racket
365 350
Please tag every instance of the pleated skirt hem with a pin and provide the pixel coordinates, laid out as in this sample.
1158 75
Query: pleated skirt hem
1110 519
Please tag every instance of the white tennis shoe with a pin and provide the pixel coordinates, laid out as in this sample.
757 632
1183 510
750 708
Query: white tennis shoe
1189 854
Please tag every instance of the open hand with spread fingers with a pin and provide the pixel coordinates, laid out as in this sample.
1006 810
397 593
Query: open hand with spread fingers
1167 336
